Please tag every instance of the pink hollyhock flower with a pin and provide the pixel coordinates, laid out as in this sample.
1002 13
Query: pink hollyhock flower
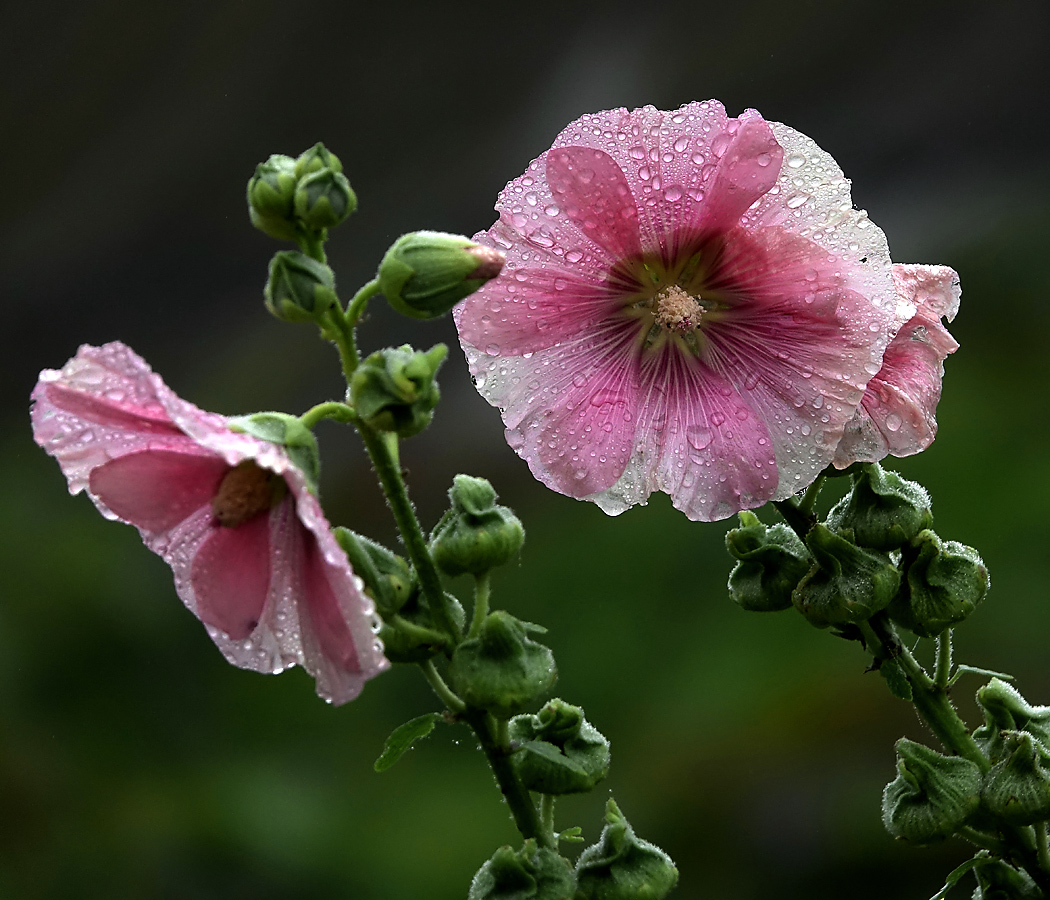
253 556
896 414
690 304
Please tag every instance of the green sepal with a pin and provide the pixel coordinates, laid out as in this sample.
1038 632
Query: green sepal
621 866
402 737
883 510
847 584
425 273
476 535
932 796
315 159
289 432
771 561
394 390
1017 788
389 580
501 670
943 583
531 873
560 752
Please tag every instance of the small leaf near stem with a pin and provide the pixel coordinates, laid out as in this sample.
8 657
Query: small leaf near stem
481 603
402 738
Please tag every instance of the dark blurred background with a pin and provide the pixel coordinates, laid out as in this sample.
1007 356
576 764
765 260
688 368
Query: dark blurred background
134 762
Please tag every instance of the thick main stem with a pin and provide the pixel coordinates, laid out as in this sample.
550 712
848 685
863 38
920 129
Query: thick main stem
526 817
405 516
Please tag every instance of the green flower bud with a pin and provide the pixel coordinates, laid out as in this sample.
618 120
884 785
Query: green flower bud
932 795
560 753
846 584
323 199
883 510
389 579
271 197
502 669
772 561
1017 788
394 389
413 636
299 289
943 584
315 159
425 273
1006 710
530 874
621 866
288 431
998 881
476 535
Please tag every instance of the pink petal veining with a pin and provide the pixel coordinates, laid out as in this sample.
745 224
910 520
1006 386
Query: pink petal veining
273 592
806 307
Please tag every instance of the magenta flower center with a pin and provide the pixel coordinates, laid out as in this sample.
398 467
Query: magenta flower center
245 492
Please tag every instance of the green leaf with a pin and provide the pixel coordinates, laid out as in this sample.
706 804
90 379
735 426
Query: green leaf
896 680
976 670
403 737
956 874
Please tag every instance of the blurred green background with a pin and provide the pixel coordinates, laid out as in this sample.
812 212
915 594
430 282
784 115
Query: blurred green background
134 762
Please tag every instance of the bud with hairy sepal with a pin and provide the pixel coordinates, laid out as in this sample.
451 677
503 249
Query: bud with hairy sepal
1017 788
299 289
846 584
932 795
477 534
560 752
772 560
996 880
389 579
271 198
1006 710
621 866
410 644
323 199
502 670
289 432
883 510
315 159
425 273
944 581
395 389
531 873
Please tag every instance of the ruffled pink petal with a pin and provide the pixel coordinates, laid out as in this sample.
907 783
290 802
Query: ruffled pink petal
156 489
897 415
231 577
703 443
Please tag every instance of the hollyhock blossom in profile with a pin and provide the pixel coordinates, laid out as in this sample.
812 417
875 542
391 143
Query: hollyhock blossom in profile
690 304
896 414
252 554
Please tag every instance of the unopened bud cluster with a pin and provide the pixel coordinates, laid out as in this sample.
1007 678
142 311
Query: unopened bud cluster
876 551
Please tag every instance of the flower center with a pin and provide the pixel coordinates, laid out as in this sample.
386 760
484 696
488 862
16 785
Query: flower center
246 491
676 309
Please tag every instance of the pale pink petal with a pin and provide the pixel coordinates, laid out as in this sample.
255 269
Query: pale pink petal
897 415
156 489
231 577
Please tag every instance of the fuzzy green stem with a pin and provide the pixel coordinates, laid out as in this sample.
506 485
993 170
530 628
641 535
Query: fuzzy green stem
419 633
980 839
1042 846
930 699
943 671
341 333
481 603
448 697
333 409
356 308
800 521
312 244
526 818
384 460
547 814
